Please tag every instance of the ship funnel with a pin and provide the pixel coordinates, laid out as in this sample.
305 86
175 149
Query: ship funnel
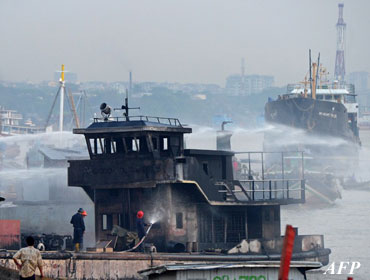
223 140
105 111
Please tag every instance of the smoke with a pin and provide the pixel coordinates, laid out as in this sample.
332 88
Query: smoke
361 173
40 197
252 139
14 149
335 155
30 174
58 139
288 136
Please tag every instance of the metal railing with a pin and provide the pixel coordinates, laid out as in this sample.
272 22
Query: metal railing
160 120
265 190
261 158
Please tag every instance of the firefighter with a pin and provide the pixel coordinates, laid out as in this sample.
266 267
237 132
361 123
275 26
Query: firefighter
140 226
78 228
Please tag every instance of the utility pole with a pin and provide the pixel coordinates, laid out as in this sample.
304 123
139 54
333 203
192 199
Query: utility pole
242 78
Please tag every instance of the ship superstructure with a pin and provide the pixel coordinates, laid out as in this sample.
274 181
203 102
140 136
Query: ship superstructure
322 108
326 116
11 123
140 163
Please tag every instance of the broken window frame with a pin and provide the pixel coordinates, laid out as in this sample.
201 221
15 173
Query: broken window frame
136 147
137 144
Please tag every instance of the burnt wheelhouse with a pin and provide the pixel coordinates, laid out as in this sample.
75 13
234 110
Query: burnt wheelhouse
139 163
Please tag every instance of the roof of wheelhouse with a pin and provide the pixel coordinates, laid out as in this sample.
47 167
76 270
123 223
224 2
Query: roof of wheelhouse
109 124
118 126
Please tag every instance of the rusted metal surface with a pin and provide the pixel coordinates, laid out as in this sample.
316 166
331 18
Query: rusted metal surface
120 172
10 234
126 265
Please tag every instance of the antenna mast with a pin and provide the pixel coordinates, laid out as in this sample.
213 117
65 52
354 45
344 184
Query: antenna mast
126 108
61 107
130 84
340 70
310 65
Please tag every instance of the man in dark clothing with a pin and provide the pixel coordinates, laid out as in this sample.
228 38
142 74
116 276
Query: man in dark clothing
78 228
140 226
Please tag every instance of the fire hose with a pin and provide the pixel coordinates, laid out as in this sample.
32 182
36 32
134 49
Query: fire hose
141 241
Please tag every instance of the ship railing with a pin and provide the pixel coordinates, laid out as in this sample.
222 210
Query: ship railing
160 120
349 87
16 116
18 129
267 190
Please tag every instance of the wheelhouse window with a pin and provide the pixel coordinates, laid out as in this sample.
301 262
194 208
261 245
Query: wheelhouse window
165 143
338 97
96 146
107 222
135 145
119 145
350 99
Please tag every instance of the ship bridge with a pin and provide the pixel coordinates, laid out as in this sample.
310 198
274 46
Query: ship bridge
144 151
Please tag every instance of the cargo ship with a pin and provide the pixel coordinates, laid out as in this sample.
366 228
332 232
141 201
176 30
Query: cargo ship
323 109
325 116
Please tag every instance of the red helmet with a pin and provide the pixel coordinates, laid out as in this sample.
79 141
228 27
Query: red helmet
140 214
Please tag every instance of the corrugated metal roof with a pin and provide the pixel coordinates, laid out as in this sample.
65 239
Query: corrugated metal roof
257 264
62 154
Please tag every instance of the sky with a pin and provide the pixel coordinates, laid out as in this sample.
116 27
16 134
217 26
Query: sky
187 41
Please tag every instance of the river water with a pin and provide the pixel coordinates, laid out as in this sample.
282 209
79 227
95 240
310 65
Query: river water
345 225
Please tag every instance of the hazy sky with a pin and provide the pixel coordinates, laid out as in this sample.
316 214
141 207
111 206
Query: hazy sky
176 40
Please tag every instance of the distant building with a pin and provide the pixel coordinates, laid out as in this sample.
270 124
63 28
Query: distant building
69 77
248 84
359 79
